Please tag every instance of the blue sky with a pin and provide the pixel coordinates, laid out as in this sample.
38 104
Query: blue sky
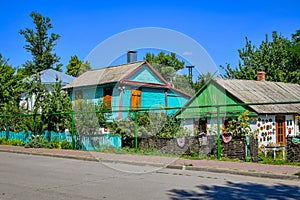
219 26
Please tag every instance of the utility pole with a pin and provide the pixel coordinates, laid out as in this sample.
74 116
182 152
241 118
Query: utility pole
190 68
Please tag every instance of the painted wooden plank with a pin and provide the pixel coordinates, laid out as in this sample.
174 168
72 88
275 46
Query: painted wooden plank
211 95
153 98
145 75
175 100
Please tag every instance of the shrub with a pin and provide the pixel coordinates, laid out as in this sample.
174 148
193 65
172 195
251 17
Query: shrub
36 142
65 144
3 140
16 142
53 144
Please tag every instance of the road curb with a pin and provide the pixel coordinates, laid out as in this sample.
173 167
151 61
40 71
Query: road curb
244 173
52 155
169 166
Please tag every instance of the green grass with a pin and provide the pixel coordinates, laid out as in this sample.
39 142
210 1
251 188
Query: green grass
154 152
269 159
127 150
297 174
15 142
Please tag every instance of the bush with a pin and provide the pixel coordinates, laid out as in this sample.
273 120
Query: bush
53 144
65 144
36 142
3 140
16 142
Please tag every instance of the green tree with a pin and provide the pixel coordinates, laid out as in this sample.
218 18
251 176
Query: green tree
278 58
163 60
294 53
77 67
201 81
183 83
9 88
168 65
54 100
41 45
10 93
90 116
296 37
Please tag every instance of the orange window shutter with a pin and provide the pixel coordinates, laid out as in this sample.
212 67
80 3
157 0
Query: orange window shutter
107 101
136 98
107 98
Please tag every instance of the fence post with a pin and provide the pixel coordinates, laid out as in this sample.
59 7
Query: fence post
218 128
136 130
6 128
73 131
34 124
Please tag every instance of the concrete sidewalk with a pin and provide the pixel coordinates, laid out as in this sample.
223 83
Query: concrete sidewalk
240 168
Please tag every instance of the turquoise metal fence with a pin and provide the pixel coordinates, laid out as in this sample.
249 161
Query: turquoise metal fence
83 142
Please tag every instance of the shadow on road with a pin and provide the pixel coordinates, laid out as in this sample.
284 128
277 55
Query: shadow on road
238 191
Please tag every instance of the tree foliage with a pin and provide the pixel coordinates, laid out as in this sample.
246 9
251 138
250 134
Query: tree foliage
9 88
168 65
164 60
40 44
77 67
183 83
201 81
52 102
90 116
149 124
278 57
239 126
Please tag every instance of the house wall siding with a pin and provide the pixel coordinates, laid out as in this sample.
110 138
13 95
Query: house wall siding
211 95
153 98
175 100
265 128
145 75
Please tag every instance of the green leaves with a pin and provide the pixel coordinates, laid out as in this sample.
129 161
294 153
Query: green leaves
240 126
9 88
51 103
165 60
168 65
201 81
77 67
278 57
40 44
90 117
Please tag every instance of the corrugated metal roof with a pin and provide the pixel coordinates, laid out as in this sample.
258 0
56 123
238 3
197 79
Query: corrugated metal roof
264 91
50 76
104 75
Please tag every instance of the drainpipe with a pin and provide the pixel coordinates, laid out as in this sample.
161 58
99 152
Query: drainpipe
166 100
219 134
7 128
121 89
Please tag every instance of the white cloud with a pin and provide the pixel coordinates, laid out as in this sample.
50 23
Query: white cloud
187 53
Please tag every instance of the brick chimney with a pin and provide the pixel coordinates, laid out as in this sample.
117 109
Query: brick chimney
261 76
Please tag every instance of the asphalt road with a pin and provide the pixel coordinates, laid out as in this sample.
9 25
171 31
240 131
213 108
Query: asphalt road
37 177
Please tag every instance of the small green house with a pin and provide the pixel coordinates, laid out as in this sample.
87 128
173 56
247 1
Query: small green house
272 123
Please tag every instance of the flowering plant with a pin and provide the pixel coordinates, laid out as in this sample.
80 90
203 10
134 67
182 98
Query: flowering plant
241 126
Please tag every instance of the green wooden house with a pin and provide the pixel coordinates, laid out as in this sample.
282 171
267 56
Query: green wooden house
272 122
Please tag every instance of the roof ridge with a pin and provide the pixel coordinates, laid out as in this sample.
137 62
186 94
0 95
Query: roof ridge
112 66
256 81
